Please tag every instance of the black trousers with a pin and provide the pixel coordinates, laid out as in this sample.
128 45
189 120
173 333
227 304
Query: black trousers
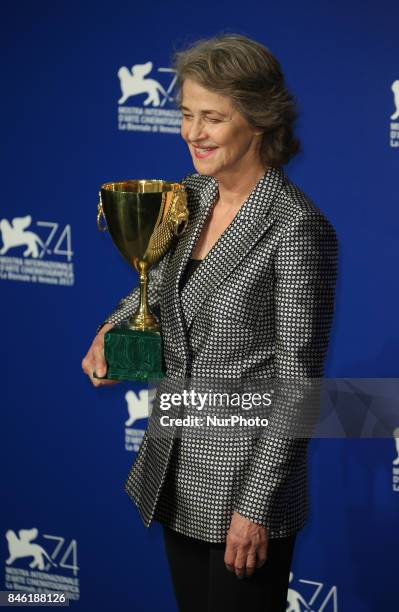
203 584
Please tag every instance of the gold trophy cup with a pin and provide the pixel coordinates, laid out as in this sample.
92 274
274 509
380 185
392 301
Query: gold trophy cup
143 217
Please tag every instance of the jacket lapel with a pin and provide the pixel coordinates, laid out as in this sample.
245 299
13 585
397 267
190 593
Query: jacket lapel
247 228
200 203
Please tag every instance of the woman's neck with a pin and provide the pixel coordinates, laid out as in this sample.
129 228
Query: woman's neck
235 188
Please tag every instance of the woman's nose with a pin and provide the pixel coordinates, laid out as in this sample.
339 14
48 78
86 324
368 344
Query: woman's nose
196 129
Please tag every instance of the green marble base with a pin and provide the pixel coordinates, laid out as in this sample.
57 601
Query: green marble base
133 355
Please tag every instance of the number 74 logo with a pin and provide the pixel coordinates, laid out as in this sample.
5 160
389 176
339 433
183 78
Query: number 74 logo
16 234
64 239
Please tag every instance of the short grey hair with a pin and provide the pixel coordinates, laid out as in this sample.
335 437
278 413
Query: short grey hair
250 75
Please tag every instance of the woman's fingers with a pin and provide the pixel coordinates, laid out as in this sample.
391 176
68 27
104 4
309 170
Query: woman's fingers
242 560
261 555
103 383
99 367
251 562
246 546
94 361
247 560
240 563
87 365
99 363
229 557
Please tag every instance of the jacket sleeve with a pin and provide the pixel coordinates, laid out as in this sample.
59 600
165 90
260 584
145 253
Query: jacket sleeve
127 305
305 279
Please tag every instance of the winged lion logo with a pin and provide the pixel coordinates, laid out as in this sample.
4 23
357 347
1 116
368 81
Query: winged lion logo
21 545
395 89
134 82
138 405
14 234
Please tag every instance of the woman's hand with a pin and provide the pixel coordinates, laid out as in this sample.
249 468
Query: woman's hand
246 546
95 360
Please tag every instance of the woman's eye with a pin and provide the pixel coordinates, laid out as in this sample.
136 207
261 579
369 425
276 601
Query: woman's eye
213 120
185 116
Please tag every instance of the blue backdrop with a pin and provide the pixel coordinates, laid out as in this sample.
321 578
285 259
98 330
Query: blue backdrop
66 448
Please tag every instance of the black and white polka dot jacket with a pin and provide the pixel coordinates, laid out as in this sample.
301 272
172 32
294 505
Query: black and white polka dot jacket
260 305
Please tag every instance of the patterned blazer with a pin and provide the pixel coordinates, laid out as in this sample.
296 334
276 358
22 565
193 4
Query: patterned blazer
260 305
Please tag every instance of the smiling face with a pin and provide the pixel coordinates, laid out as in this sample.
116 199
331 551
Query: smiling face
221 141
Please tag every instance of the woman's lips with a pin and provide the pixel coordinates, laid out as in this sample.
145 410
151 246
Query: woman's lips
202 153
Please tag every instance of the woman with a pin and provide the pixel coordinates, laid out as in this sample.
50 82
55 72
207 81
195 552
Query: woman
246 293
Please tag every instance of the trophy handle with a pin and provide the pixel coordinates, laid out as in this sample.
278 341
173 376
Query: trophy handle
179 227
179 212
100 213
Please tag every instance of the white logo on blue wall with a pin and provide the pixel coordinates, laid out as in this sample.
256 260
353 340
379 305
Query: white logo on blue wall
133 83
395 89
394 131
153 109
311 595
395 462
21 546
40 254
26 557
15 234
138 407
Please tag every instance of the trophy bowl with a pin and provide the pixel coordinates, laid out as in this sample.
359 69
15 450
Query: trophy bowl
142 217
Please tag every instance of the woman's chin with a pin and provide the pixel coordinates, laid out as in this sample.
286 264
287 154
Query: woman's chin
202 168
